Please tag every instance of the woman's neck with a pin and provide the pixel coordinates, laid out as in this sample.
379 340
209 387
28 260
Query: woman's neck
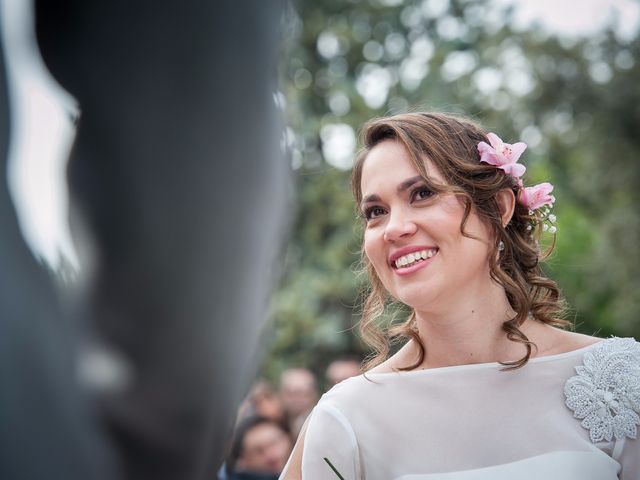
468 331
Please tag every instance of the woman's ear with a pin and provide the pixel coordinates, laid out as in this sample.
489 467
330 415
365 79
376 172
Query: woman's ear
506 200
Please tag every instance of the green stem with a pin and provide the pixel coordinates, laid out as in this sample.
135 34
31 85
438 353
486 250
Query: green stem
335 470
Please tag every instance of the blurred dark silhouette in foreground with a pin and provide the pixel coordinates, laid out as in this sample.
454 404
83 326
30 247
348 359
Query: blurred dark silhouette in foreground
179 185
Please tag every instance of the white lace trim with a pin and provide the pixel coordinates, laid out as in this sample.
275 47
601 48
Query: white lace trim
605 393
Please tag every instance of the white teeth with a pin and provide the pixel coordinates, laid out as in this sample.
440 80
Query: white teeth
413 257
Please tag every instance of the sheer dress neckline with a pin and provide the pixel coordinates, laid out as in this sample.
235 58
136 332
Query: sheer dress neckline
475 366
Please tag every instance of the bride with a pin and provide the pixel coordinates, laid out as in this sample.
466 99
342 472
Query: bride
488 384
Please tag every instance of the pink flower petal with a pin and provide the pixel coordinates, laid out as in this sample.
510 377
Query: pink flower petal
484 147
537 196
514 169
545 187
495 141
487 154
517 149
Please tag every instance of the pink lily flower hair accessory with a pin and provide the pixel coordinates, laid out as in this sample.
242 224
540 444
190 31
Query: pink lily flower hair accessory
505 156
536 196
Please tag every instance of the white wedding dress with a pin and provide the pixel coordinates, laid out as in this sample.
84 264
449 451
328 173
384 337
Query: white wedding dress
571 416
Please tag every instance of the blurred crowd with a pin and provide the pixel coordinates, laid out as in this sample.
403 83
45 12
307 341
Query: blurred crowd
271 418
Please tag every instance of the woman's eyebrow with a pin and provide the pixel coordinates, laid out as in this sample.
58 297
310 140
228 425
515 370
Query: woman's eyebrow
401 188
409 182
370 198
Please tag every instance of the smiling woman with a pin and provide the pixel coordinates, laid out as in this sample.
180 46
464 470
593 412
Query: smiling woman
475 393
469 207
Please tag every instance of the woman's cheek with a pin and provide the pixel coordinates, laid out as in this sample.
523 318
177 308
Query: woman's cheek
371 251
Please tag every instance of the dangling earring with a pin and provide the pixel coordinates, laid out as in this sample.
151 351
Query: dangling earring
500 246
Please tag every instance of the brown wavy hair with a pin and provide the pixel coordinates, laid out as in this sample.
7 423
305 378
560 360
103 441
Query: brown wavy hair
450 142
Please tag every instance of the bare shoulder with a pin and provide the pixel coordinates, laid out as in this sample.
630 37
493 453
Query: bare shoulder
384 367
558 341
403 357
574 341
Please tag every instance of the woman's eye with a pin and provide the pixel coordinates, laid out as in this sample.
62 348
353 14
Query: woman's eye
373 212
421 193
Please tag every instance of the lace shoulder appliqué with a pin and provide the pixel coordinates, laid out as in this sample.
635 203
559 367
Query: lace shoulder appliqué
605 393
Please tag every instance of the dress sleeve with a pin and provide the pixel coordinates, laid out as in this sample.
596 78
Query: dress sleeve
605 396
327 442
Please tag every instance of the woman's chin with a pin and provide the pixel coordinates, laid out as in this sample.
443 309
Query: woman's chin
417 299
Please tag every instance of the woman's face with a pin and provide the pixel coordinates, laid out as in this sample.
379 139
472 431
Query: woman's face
265 449
412 236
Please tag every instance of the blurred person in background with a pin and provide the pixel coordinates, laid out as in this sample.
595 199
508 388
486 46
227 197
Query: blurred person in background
266 402
341 369
262 401
299 393
259 450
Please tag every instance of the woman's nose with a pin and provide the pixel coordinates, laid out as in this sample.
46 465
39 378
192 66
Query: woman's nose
399 225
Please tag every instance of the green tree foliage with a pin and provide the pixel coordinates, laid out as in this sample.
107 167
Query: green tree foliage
576 102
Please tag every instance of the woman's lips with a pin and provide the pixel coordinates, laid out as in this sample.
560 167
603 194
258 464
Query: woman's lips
407 264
